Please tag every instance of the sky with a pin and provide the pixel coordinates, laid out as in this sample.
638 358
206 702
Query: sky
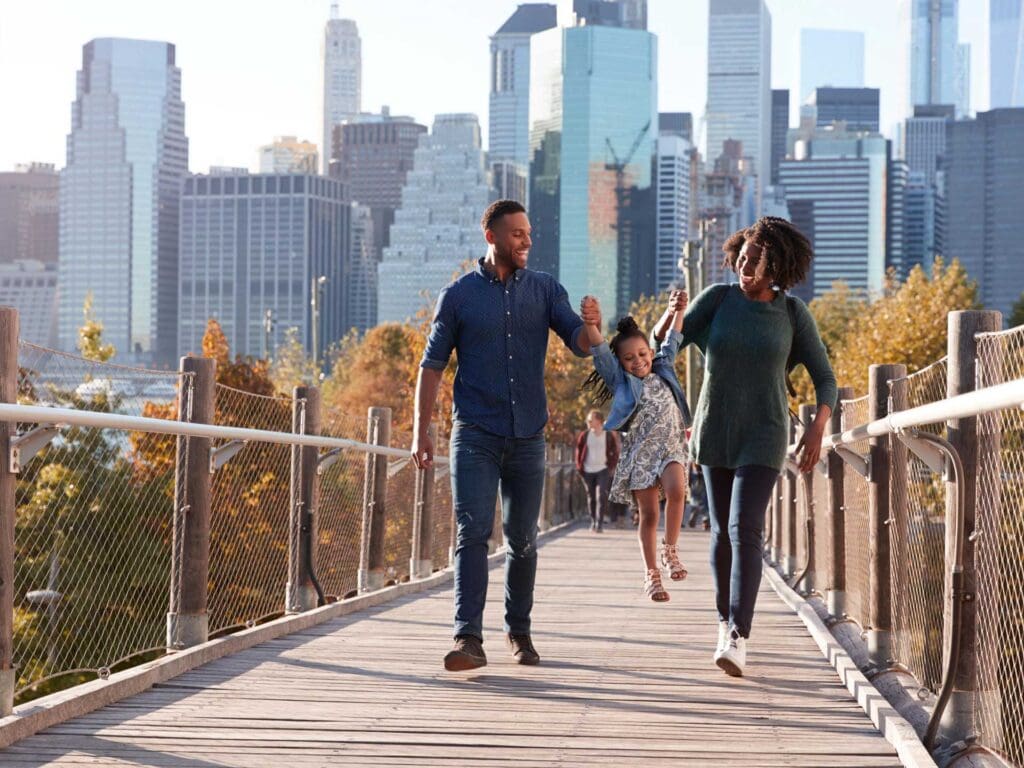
251 70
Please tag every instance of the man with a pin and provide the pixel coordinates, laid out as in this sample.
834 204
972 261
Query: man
496 318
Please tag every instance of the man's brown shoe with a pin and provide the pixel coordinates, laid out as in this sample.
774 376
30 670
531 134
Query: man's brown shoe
522 649
468 653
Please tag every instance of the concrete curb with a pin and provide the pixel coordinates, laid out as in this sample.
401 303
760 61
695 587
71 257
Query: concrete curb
896 730
74 702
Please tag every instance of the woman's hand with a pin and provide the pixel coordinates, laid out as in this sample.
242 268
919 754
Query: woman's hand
808 450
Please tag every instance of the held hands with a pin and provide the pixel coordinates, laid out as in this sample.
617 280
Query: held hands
678 301
590 312
422 451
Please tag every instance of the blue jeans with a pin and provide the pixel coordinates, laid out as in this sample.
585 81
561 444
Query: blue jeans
482 462
737 500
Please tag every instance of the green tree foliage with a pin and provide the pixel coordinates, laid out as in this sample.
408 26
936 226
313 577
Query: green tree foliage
906 325
1017 313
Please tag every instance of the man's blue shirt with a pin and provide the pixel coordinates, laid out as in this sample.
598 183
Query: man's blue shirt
499 332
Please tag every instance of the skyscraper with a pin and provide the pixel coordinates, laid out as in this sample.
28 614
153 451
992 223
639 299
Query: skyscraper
256 243
119 195
739 82
29 214
343 77
627 14
31 287
830 58
437 227
288 155
919 224
984 198
836 190
1006 53
780 127
962 80
593 130
372 155
856 107
924 139
508 117
933 52
674 153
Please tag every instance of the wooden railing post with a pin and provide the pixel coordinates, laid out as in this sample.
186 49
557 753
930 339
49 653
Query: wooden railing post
8 507
958 720
300 593
789 481
776 512
375 491
421 560
835 518
188 622
879 573
805 488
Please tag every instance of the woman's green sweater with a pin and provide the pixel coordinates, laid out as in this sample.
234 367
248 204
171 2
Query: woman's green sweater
742 415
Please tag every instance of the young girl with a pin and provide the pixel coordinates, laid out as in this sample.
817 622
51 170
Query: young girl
649 407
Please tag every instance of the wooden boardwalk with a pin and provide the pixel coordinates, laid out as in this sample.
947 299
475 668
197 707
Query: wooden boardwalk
623 682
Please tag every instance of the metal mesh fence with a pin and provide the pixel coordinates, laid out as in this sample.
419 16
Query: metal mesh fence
917 535
822 538
249 514
93 524
855 503
999 553
339 516
400 503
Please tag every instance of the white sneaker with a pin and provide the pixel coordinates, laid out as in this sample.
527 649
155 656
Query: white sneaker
733 657
723 638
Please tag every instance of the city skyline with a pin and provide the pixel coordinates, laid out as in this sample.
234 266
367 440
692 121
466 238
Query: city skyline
240 102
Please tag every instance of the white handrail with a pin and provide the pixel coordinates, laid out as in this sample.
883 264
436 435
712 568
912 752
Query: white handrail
1009 394
37 414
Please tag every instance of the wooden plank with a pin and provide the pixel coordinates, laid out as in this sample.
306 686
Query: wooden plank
623 681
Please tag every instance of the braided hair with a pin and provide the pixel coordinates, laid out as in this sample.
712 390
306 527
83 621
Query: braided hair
625 329
788 252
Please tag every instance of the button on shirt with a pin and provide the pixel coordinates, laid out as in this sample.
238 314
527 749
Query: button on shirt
499 332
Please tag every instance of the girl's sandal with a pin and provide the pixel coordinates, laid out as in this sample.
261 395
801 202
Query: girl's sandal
670 560
653 587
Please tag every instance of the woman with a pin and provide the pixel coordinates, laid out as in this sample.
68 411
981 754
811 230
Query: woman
748 332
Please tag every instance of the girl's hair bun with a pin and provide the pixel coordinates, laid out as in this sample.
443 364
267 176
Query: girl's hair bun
627 325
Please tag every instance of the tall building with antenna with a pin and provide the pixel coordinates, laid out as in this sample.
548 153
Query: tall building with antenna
342 77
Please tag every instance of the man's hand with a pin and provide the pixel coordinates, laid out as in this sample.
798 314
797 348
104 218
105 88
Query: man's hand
422 451
590 311
678 301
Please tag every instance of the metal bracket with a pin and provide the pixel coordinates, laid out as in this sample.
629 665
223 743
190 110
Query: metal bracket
927 451
860 464
394 467
24 447
792 467
222 454
325 460
822 465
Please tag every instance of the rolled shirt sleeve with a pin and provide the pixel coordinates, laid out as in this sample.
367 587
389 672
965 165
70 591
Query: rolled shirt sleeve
563 321
441 341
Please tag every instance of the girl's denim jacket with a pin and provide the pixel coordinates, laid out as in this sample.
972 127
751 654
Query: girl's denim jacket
626 388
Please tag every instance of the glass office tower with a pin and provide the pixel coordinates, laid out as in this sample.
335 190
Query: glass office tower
119 194
593 132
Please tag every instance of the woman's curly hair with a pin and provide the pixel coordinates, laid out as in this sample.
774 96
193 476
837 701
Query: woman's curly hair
789 253
625 329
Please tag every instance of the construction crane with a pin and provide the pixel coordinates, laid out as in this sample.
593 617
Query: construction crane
626 263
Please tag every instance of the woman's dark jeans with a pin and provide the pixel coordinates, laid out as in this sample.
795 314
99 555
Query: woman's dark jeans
737 501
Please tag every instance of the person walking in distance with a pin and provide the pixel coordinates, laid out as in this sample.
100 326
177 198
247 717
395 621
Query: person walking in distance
751 334
597 453
496 318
